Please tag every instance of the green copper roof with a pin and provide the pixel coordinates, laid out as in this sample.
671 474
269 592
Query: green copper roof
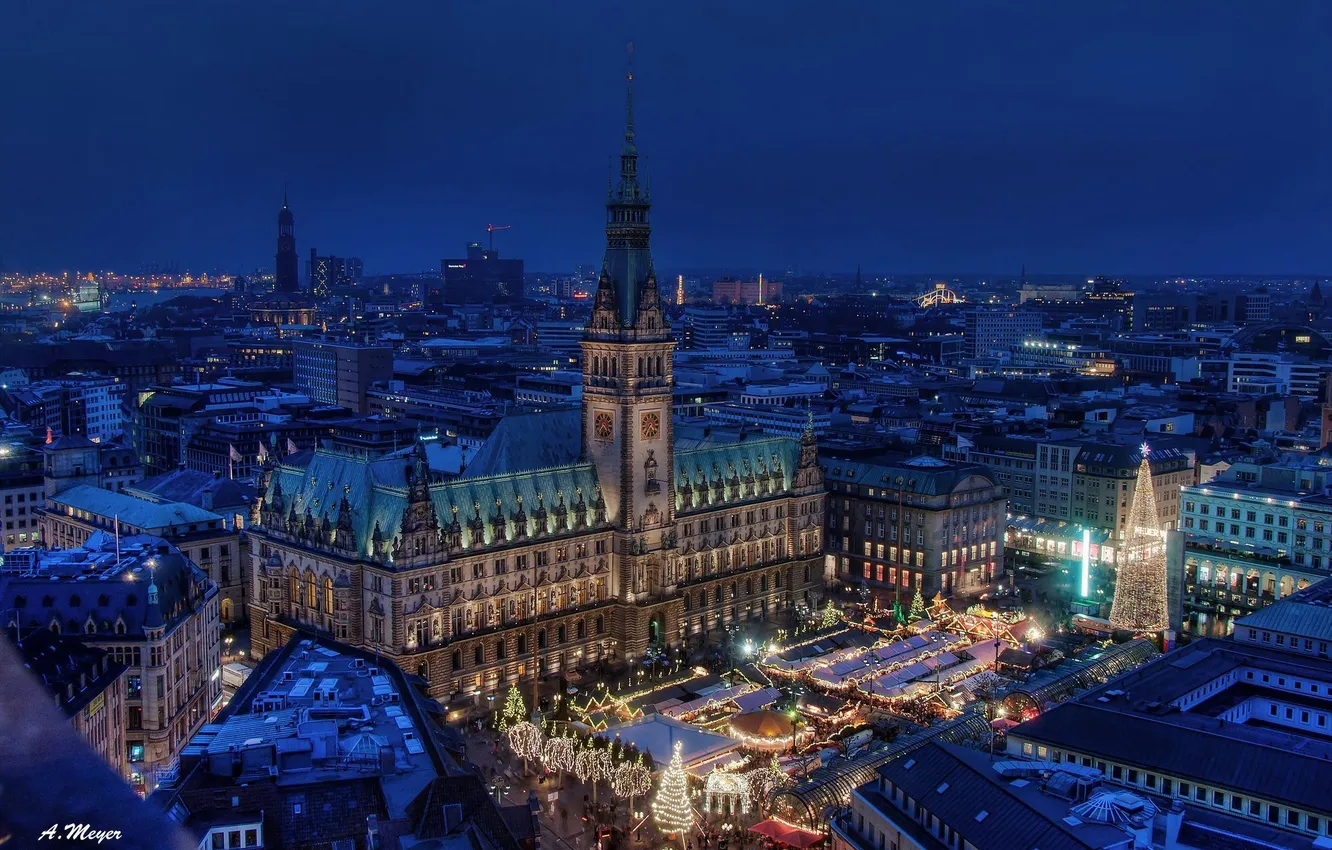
377 492
743 468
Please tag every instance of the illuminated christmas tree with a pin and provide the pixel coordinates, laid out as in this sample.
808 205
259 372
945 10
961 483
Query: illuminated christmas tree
671 808
917 611
515 710
830 616
1140 584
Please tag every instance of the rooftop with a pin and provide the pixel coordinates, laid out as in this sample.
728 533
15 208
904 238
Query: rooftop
1307 614
1154 717
322 712
133 511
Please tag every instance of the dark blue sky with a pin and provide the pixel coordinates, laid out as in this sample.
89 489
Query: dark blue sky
1111 137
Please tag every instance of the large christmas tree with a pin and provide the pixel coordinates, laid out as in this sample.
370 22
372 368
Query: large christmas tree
1140 585
671 808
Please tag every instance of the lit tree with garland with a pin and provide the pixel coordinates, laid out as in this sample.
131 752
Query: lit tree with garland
515 710
830 616
764 780
1140 584
585 763
631 779
671 808
917 611
558 754
526 741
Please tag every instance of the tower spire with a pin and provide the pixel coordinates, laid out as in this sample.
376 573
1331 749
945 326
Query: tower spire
629 103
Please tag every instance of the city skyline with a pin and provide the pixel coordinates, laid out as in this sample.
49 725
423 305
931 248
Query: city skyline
985 142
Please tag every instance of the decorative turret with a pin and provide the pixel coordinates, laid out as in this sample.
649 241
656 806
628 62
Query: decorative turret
345 536
377 542
418 538
152 617
519 521
453 532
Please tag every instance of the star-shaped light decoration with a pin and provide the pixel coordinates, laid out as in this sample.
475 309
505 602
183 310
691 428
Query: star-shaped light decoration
1145 449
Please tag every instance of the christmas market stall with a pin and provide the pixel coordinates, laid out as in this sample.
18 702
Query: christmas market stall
787 834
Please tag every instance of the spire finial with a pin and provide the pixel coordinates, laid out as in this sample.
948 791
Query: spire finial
629 98
284 195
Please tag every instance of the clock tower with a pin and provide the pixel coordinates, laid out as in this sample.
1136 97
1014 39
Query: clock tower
627 383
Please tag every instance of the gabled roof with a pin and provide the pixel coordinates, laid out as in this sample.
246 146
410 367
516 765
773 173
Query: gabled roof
531 440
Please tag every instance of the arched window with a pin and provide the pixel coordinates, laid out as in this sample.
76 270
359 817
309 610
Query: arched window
640 367
328 594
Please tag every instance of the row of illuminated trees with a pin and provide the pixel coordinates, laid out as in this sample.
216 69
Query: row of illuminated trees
625 770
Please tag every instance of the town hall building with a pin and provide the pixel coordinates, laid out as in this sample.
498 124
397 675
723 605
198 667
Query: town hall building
574 536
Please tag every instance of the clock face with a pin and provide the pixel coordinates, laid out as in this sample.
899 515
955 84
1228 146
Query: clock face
604 425
650 427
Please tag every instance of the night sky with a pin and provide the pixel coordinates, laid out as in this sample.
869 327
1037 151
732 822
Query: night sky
1111 137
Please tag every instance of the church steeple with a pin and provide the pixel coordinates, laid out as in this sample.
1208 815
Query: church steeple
286 261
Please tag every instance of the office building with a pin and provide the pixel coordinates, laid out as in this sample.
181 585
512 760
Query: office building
707 328
921 525
22 490
211 540
1084 481
143 602
339 372
324 273
282 766
1256 533
71 461
480 277
87 683
997 332
747 292
161 419
630 539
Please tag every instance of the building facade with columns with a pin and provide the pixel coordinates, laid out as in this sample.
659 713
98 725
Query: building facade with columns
574 536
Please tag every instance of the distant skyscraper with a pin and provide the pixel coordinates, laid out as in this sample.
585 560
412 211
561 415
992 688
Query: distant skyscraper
480 277
287 265
679 290
324 273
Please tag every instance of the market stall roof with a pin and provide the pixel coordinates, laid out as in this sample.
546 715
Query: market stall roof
785 833
657 734
762 724
757 699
